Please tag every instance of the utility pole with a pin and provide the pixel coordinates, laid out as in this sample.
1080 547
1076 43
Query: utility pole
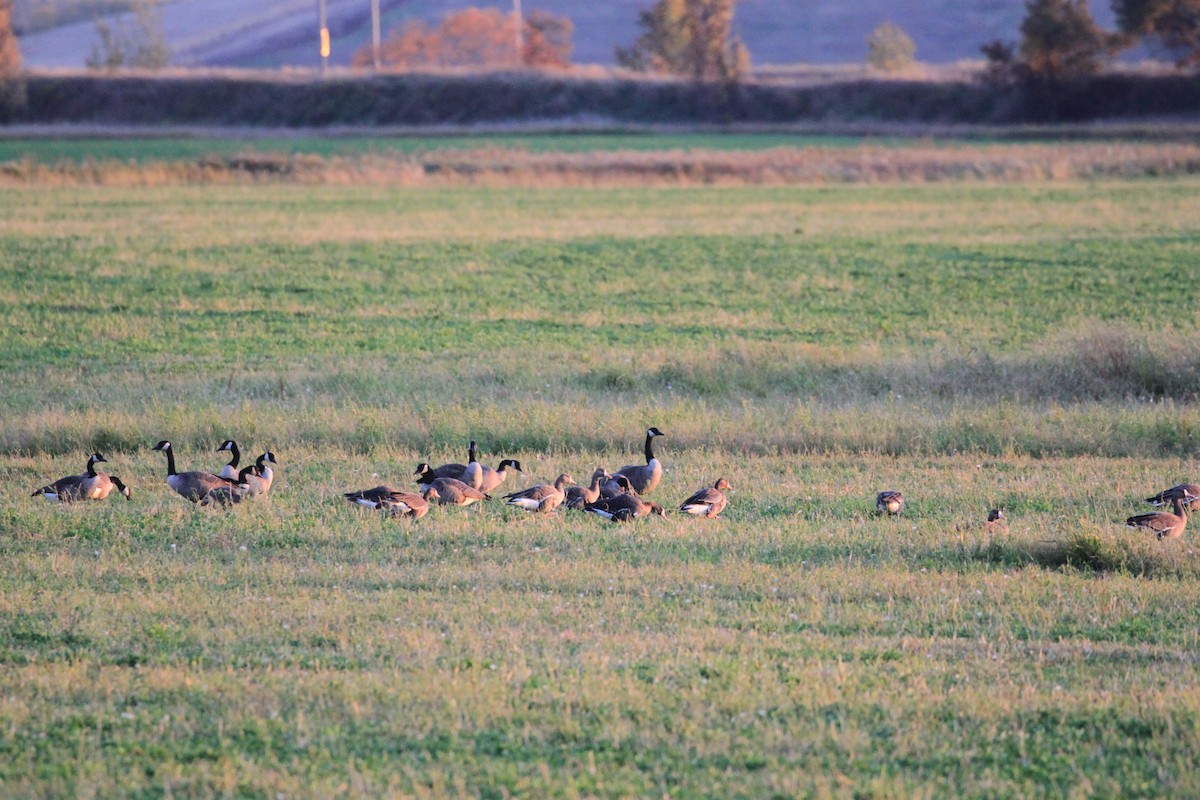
375 33
323 23
520 26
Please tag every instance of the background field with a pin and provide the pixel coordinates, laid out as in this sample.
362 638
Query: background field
1030 345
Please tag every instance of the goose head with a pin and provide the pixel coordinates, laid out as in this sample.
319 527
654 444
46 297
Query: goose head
164 445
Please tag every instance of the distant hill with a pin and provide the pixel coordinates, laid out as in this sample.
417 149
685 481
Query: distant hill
282 33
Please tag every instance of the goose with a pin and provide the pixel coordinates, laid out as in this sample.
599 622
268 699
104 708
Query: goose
453 492
644 477
472 474
1164 525
543 498
889 502
402 504
260 477
232 494
492 478
230 470
996 523
707 502
579 496
1165 497
625 508
91 485
453 470
192 485
616 485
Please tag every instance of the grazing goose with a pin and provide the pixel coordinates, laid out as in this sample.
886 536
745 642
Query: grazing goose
192 485
1164 525
1165 497
543 498
580 496
644 477
889 502
625 508
996 523
453 492
425 474
260 478
492 478
616 485
230 470
401 504
707 502
91 485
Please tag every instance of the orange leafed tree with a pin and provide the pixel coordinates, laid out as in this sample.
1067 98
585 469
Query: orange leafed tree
10 55
475 37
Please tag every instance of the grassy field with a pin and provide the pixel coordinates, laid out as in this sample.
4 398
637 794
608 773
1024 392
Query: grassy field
1029 345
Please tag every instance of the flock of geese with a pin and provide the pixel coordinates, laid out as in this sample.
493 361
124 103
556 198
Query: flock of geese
617 496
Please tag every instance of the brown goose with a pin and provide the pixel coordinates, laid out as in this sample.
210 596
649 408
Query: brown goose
616 485
889 502
707 502
492 478
996 523
579 496
543 498
399 503
230 470
192 485
1165 497
91 485
233 493
644 477
1164 525
453 492
625 508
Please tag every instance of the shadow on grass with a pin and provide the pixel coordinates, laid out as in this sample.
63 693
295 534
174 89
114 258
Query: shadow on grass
1095 551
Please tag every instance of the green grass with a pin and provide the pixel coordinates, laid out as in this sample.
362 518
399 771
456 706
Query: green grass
1027 346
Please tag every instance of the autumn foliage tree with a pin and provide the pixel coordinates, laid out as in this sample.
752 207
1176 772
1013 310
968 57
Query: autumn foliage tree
1059 41
10 54
475 37
1176 23
688 37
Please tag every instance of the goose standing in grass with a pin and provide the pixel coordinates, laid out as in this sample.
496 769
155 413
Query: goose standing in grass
230 471
232 493
261 476
454 469
996 523
91 485
644 477
472 474
579 496
707 502
1167 496
625 508
889 502
543 497
1163 524
453 492
400 504
192 485
492 478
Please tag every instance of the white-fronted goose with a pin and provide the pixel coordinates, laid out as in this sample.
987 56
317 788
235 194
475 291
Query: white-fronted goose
889 502
492 478
399 503
1163 524
230 470
192 485
543 497
1167 496
707 502
91 485
579 496
453 492
625 508
644 477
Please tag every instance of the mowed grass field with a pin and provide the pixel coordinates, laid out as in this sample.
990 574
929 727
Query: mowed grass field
1029 346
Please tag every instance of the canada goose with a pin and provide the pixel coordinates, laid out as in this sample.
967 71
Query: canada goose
453 470
403 504
230 470
472 474
1164 525
1165 497
644 477
707 502
625 508
492 478
192 485
91 485
579 496
889 502
453 492
543 498
996 523
616 485
260 478
233 493
425 474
